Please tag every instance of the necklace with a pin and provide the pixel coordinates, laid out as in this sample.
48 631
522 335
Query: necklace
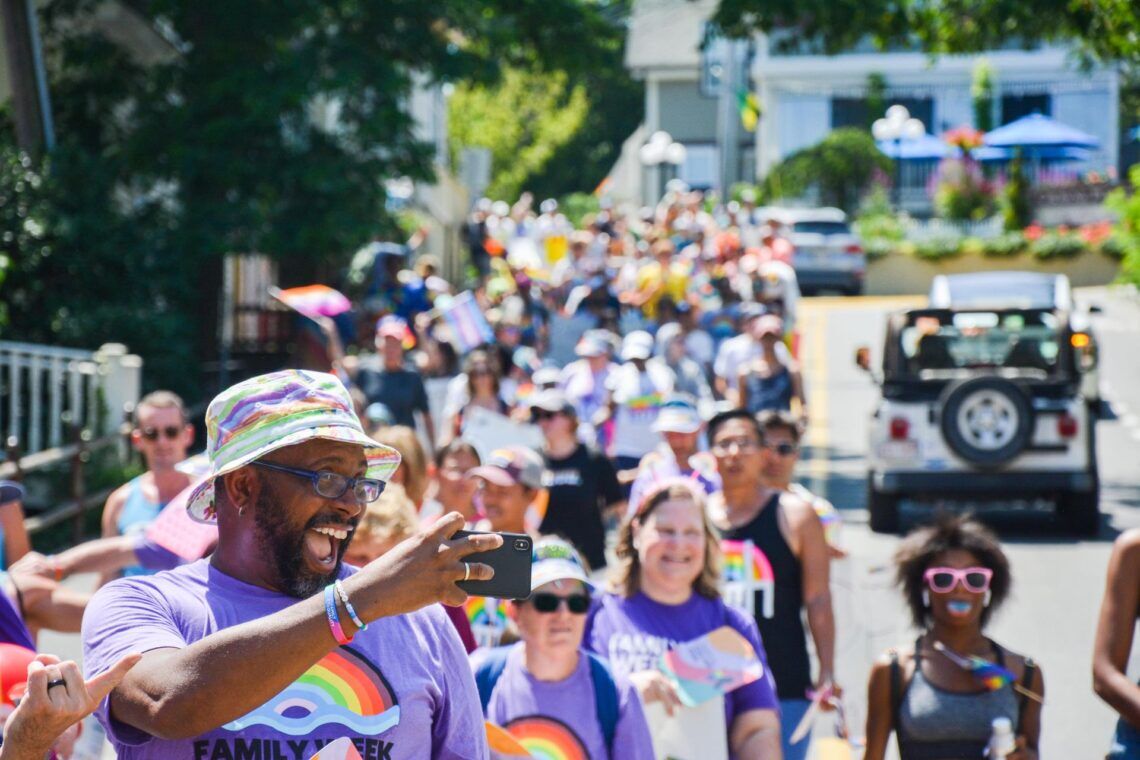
989 674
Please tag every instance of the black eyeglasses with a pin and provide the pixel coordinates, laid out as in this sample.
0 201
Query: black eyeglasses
332 485
578 604
783 448
170 433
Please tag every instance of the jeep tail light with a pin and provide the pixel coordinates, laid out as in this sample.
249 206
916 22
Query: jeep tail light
900 428
853 248
1067 425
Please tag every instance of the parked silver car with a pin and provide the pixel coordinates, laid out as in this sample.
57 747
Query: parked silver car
828 255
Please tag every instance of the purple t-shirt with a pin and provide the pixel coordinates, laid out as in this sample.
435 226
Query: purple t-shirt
562 715
633 633
402 689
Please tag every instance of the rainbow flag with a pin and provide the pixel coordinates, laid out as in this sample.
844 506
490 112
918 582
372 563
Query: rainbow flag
313 300
467 322
502 744
746 571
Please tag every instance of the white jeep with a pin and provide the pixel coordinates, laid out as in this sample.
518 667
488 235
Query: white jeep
982 403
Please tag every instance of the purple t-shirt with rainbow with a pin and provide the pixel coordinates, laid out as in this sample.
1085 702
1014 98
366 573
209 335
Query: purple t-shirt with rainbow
633 633
560 718
402 689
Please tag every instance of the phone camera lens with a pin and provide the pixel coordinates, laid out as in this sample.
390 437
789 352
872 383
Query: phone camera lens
522 545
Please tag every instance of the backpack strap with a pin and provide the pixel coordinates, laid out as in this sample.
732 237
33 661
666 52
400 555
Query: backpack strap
605 698
488 672
1027 684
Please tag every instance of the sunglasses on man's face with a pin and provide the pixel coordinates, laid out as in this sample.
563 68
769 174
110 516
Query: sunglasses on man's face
783 448
578 604
170 433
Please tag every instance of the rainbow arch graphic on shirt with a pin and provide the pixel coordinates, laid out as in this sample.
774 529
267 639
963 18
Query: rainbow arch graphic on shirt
484 610
747 571
547 738
342 688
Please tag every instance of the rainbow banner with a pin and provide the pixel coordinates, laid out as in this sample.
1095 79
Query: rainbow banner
467 322
711 665
313 300
746 572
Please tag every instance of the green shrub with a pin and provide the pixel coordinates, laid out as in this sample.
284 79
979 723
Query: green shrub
1114 247
877 248
1016 204
962 194
1127 233
938 249
841 167
973 246
1054 245
1005 246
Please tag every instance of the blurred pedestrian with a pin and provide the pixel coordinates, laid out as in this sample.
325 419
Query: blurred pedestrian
769 381
636 392
941 695
14 542
450 487
1114 645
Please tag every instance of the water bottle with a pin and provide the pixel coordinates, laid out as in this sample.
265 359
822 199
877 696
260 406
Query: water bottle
1002 742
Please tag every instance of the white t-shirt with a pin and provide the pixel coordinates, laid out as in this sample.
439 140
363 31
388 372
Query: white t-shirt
638 396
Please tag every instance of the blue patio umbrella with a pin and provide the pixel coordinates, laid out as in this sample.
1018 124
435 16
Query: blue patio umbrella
924 148
1037 135
1047 154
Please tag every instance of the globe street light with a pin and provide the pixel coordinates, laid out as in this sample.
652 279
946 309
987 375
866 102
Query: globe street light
898 125
661 149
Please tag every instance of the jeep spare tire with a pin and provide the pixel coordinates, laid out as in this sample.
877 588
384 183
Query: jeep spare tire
986 420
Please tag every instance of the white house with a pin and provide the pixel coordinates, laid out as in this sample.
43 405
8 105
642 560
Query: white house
803 96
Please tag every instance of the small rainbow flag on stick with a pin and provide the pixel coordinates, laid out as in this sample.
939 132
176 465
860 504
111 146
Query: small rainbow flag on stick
990 674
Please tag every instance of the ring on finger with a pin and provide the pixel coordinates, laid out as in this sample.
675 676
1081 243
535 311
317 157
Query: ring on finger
56 682
466 571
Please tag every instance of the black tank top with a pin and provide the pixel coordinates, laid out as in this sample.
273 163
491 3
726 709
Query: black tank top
783 633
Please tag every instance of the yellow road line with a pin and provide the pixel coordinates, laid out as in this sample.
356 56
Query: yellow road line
815 378
887 303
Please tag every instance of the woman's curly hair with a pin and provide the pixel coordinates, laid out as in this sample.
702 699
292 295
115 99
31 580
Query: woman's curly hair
924 545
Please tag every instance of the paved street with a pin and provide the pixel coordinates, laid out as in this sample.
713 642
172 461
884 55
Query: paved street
1058 581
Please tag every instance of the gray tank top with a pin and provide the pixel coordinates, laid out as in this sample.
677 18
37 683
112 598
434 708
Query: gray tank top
935 724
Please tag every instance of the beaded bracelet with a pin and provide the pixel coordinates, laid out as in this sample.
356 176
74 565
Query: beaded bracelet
334 616
348 606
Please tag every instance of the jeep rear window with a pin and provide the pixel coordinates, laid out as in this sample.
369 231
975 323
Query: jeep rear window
822 228
981 339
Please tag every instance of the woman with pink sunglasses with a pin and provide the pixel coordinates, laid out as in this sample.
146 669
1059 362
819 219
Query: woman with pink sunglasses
941 695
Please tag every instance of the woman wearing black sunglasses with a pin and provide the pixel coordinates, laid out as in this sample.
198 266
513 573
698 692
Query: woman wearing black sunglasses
941 696
547 687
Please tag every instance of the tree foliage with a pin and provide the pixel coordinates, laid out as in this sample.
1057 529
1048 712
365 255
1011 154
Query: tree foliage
1105 28
523 120
841 167
269 126
553 132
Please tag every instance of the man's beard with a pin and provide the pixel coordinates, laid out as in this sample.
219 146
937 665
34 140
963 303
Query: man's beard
287 548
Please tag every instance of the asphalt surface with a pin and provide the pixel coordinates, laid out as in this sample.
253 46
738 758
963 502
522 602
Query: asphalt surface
1058 580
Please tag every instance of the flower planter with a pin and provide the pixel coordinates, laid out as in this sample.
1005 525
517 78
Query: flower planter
900 274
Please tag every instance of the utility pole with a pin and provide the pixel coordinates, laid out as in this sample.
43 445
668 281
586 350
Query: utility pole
728 121
31 109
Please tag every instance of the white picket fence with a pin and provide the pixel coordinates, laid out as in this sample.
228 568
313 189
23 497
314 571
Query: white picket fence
44 389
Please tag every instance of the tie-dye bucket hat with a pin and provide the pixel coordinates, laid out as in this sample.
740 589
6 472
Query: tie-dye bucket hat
265 413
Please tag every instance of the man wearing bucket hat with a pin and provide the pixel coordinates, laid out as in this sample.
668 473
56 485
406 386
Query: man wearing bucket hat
679 425
549 680
240 651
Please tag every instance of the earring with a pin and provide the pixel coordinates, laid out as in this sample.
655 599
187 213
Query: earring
241 511
925 598
986 599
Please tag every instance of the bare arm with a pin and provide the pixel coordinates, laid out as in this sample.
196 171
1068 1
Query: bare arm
798 392
1114 632
738 396
816 572
755 735
49 605
16 542
879 712
102 555
180 693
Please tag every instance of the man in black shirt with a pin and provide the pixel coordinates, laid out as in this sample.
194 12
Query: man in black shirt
582 483
389 382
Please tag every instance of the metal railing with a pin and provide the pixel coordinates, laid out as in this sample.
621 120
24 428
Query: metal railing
44 390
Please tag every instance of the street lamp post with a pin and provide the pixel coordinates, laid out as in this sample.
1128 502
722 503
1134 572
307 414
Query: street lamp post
896 126
661 149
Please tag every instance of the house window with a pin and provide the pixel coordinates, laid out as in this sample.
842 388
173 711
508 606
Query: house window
1013 107
852 112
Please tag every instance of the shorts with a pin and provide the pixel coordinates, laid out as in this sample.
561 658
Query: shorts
1125 742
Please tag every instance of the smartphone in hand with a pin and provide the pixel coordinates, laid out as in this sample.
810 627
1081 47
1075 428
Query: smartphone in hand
512 567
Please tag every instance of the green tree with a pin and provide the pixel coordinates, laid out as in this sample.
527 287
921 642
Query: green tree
876 97
842 167
523 119
982 95
270 126
1106 28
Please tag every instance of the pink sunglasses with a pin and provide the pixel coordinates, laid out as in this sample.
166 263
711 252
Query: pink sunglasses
943 579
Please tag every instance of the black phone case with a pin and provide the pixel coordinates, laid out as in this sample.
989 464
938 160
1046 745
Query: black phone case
512 567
